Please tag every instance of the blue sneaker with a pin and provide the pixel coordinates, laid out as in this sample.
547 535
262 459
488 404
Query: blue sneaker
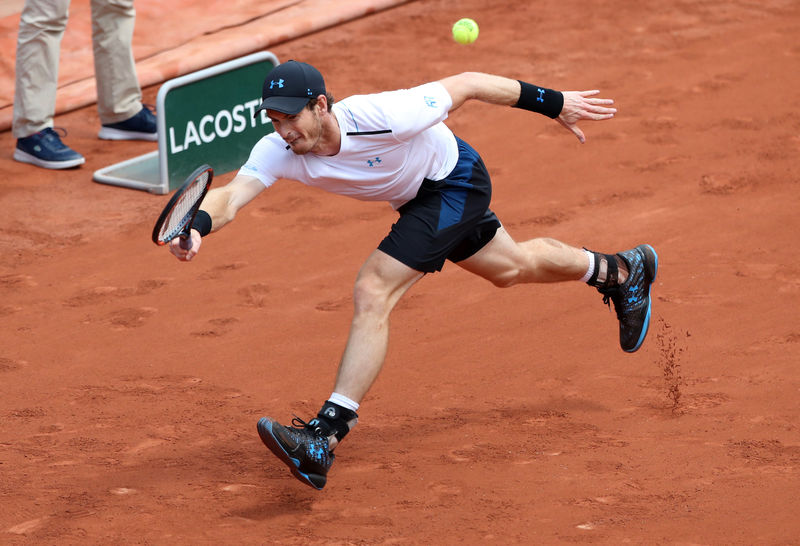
142 126
45 149
632 298
303 450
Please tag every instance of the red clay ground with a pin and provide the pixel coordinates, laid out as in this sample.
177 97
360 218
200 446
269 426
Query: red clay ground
130 383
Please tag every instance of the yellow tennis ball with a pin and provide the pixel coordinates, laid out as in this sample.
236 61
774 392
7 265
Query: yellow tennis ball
465 31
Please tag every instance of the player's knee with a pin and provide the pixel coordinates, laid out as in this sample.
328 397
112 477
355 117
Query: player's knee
506 279
369 296
503 276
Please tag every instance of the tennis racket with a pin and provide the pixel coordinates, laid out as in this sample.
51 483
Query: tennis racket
176 218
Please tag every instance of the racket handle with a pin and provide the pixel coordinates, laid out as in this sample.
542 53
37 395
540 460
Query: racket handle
186 241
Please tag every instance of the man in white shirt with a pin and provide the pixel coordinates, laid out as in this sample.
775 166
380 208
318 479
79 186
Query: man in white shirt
395 147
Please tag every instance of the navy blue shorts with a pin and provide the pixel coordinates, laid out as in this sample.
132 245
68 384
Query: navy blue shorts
449 219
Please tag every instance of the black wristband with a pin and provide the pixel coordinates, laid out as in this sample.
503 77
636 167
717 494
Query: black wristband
540 100
202 223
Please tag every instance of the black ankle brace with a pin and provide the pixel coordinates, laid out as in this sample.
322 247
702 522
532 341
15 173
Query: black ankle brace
612 270
332 420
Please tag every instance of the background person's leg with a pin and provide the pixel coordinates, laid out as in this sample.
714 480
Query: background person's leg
41 27
119 96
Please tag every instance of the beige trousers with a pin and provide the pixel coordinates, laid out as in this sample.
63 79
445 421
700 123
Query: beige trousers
41 28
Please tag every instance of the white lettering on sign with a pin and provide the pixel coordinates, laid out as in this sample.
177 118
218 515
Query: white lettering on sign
205 120
191 135
222 124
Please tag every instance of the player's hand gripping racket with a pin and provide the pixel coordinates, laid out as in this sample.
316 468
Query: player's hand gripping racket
176 218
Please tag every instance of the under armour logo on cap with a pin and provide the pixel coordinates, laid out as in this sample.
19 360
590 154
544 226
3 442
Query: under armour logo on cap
289 86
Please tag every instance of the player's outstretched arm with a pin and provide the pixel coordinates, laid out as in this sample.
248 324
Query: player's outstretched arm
221 204
568 107
483 87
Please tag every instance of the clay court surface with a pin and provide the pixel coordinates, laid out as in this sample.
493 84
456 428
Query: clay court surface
131 383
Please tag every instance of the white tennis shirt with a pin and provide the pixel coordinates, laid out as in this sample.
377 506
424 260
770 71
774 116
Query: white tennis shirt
390 142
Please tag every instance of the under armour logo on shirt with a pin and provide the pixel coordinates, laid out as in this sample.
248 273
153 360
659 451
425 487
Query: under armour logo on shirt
273 83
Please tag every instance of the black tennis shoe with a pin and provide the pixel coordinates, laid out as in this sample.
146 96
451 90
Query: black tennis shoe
303 449
632 298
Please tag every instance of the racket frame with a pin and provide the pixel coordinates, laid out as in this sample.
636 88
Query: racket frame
184 231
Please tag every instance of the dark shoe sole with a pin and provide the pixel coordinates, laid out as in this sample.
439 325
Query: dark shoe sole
268 437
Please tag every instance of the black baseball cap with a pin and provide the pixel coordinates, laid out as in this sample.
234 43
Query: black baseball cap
289 86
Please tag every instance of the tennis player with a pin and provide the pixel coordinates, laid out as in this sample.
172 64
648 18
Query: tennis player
395 147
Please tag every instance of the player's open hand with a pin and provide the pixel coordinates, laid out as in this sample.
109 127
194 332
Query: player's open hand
180 252
579 105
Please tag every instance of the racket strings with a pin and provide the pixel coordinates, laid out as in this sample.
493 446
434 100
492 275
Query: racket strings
185 206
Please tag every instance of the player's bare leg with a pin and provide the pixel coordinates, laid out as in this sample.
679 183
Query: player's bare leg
505 262
307 448
381 283
624 278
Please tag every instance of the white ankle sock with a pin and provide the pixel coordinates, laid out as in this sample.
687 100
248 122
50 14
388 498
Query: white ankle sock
343 401
590 271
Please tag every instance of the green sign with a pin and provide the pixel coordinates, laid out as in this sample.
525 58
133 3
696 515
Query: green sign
208 117
203 117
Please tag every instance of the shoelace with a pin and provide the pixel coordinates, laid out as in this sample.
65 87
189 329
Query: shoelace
53 136
299 423
616 308
318 447
53 131
608 297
